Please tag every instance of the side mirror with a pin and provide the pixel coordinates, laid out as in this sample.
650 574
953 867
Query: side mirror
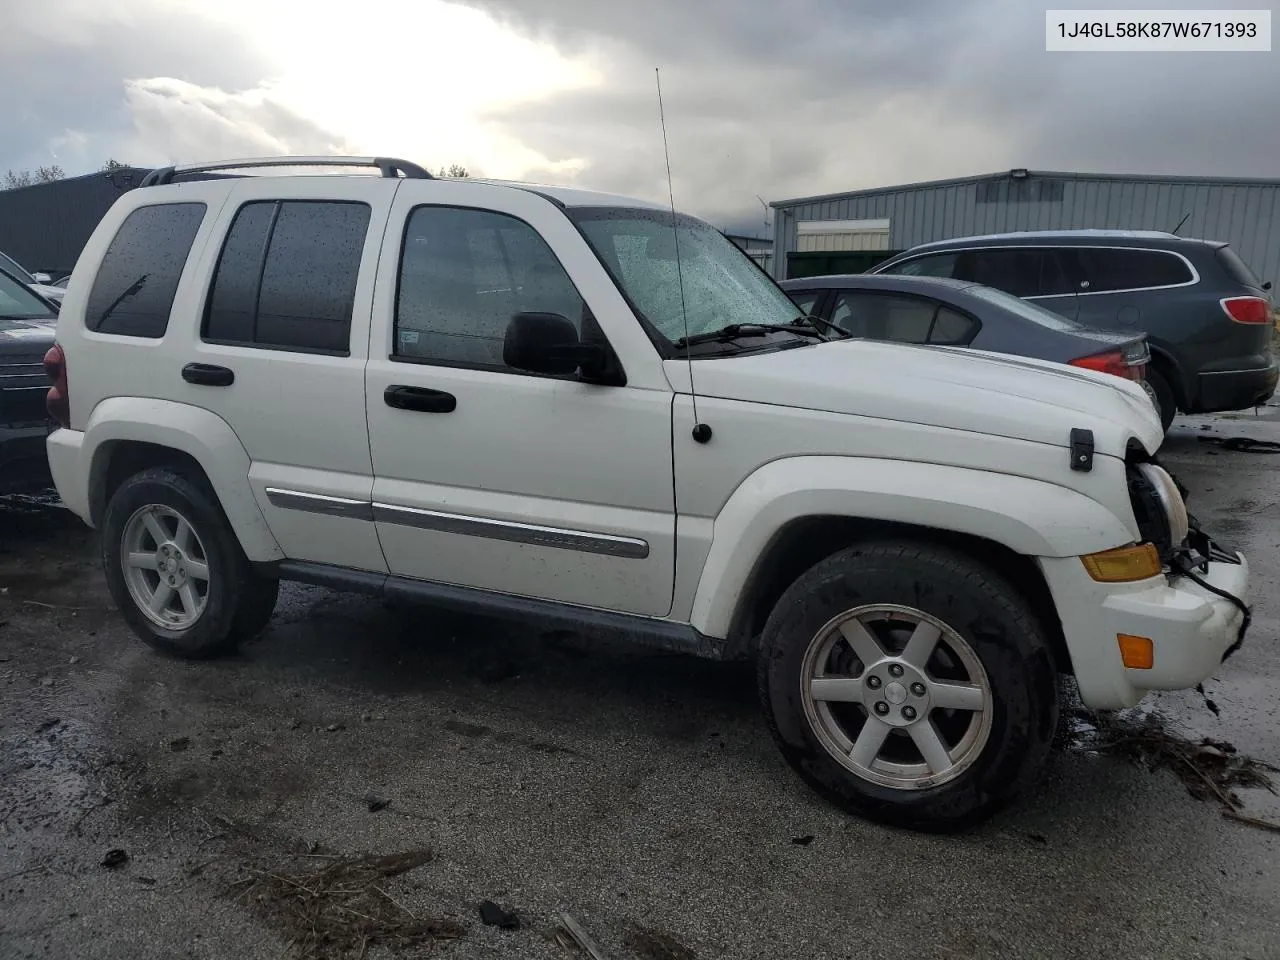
548 343
1267 285
42 278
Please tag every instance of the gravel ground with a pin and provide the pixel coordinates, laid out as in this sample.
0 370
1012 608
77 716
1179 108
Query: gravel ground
638 792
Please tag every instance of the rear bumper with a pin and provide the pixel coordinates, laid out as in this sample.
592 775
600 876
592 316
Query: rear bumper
23 463
1191 628
63 454
1236 389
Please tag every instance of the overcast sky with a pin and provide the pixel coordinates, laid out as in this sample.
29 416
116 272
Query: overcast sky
776 99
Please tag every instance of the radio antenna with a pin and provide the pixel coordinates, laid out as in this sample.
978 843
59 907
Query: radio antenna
701 432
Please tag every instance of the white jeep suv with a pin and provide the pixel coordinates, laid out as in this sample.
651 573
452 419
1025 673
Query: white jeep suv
587 411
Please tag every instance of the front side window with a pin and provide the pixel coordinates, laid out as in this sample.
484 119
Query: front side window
133 291
286 277
463 275
648 255
18 270
1108 269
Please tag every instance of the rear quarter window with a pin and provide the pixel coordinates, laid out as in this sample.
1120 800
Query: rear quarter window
1109 268
132 294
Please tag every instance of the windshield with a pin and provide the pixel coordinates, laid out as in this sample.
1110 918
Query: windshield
16 301
1026 310
8 263
722 285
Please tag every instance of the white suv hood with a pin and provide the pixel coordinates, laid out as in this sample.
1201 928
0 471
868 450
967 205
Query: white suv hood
946 387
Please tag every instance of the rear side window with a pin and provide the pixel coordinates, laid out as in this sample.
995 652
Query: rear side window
1108 269
133 293
1237 269
1022 272
937 265
286 277
879 316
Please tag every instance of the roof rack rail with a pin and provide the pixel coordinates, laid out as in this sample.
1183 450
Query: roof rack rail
390 167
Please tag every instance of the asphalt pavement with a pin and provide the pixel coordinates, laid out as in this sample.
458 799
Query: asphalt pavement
637 792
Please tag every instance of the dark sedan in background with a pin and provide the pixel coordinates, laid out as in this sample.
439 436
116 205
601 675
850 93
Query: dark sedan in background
27 324
955 313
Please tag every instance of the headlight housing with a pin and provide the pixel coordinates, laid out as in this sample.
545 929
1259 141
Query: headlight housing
1158 507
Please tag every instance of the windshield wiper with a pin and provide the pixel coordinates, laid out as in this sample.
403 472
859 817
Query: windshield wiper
841 332
734 331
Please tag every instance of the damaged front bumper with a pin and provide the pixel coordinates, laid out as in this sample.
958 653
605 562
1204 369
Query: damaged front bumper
1195 615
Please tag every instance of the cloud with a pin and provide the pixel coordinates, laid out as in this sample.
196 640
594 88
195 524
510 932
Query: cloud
176 121
777 99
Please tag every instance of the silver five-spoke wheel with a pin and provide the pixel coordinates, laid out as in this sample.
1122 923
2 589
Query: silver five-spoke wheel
896 696
165 566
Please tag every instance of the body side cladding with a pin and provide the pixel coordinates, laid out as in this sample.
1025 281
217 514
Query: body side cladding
548 614
194 431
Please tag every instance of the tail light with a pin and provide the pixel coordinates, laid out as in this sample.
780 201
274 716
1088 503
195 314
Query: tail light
1114 362
58 401
1247 309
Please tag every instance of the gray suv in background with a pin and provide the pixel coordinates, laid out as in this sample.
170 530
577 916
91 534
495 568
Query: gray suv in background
1207 317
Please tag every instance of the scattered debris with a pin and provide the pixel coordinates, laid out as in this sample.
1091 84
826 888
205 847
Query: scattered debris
1210 769
1036 837
580 937
335 727
179 744
1213 707
342 906
48 724
115 859
146 881
73 661
46 681
651 944
294 723
492 915
375 802
1243 444
803 841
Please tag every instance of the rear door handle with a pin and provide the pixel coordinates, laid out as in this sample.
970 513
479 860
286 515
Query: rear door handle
208 375
420 399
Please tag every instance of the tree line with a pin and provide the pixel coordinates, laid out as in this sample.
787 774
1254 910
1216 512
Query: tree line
13 179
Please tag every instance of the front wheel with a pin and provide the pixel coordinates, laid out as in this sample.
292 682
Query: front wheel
175 569
909 684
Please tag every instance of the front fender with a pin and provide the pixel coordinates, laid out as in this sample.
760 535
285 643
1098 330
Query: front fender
1030 517
204 436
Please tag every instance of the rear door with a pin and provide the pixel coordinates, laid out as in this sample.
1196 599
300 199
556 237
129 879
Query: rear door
278 350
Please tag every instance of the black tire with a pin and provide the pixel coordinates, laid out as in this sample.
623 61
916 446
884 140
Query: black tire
985 611
1166 403
238 602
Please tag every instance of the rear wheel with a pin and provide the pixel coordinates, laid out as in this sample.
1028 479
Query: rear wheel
1166 404
176 570
909 684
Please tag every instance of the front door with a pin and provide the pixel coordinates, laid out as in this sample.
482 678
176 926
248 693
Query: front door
488 477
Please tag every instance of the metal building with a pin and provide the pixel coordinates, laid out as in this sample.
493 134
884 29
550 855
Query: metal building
44 227
851 232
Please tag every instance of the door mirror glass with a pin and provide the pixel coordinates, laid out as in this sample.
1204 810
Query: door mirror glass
545 343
